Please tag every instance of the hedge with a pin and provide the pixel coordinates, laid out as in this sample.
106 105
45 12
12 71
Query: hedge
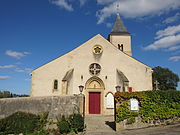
154 105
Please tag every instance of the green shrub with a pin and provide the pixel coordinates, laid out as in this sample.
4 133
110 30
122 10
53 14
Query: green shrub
40 132
76 122
63 126
19 122
3 133
43 119
123 112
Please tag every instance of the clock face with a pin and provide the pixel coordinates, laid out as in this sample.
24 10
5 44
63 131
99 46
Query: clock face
94 69
97 49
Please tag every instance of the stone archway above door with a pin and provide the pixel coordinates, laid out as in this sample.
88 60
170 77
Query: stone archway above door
94 88
94 83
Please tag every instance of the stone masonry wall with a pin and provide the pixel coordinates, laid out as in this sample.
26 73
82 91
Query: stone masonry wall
55 105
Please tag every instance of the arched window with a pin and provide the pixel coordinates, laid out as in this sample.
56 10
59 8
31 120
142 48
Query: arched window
55 84
120 47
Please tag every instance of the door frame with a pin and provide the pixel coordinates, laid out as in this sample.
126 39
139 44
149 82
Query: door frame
100 90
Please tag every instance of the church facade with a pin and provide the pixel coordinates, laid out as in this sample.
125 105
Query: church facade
99 65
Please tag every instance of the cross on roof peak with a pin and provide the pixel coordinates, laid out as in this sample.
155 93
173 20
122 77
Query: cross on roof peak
117 8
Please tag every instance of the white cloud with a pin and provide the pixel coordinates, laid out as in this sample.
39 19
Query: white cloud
127 8
7 66
105 13
18 63
164 43
168 39
135 8
67 4
171 30
173 48
109 25
26 53
103 2
172 18
63 4
82 2
15 54
174 58
26 70
27 79
4 77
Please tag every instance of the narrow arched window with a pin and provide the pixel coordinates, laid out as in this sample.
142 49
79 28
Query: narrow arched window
119 47
55 84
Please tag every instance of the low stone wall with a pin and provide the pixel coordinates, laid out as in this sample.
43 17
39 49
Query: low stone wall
55 105
139 124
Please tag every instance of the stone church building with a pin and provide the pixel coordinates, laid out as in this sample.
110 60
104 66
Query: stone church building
99 65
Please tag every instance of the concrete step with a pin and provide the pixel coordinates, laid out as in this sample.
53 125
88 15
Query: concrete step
99 123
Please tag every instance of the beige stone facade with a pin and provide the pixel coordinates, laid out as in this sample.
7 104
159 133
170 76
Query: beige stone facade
99 65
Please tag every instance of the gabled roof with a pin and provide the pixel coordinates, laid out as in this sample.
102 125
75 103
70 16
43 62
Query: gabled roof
98 35
119 27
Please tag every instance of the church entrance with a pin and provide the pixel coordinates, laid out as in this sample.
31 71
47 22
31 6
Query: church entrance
94 102
94 93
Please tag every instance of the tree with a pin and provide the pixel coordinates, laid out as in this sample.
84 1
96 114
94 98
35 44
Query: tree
5 94
8 94
166 78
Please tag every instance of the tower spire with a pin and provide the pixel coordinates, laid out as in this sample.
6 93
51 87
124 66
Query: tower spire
119 35
119 26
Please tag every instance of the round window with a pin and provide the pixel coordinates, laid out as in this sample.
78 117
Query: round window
97 49
94 69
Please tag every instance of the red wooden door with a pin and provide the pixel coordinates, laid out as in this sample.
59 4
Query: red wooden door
94 102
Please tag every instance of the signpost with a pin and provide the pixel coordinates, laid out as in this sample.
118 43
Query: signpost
110 101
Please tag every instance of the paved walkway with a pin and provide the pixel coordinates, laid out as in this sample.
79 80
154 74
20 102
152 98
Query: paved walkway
98 123
104 125
160 130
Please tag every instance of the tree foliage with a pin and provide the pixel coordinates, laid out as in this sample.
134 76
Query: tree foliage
166 78
8 94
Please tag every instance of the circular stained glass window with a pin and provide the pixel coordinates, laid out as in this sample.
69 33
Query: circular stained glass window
94 69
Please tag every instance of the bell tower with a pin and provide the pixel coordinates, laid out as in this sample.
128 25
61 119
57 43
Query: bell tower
120 37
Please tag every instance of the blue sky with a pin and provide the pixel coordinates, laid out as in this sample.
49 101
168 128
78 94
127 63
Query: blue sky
34 32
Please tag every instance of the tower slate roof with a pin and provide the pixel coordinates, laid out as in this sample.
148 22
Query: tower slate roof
119 27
